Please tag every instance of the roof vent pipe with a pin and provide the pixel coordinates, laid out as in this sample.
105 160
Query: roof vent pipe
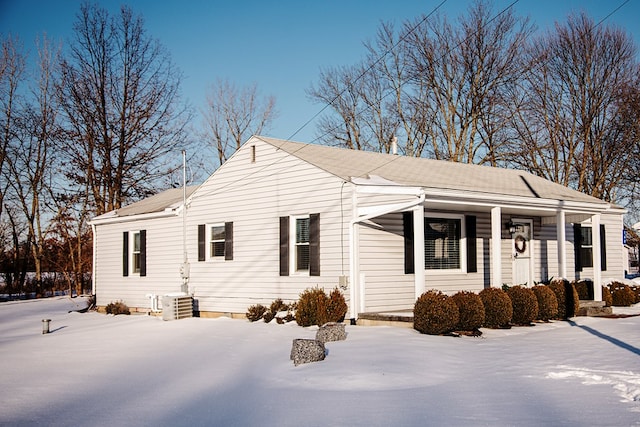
394 145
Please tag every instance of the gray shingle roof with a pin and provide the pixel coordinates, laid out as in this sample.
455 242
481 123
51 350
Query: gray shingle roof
430 174
167 199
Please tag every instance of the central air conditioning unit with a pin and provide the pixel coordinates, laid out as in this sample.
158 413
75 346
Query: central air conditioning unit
177 307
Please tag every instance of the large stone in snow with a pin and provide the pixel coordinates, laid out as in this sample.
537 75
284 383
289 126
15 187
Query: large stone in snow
331 331
307 351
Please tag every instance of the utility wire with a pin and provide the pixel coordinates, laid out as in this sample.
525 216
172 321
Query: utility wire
242 181
369 68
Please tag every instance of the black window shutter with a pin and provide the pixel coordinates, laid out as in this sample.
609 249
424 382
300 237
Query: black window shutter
314 244
228 241
577 246
407 226
603 249
125 253
472 256
143 252
201 242
284 245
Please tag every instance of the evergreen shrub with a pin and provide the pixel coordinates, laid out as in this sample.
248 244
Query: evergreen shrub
547 302
636 291
621 294
524 304
337 308
497 307
607 297
315 307
567 296
117 307
584 289
255 312
470 311
435 313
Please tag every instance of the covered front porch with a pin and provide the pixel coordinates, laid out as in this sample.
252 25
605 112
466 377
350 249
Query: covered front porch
516 227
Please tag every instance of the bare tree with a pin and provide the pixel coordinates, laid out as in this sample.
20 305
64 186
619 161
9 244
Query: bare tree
338 88
30 155
439 88
12 69
120 95
573 126
234 114
465 69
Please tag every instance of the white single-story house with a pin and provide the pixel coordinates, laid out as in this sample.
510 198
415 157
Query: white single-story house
279 217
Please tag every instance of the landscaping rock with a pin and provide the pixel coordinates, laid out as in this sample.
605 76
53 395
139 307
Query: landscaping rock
331 331
307 351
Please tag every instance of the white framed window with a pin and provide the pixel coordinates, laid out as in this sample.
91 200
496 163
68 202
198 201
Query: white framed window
134 253
217 239
444 243
136 246
586 246
300 243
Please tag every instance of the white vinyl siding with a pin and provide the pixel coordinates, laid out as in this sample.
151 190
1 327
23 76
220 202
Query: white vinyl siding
255 195
163 259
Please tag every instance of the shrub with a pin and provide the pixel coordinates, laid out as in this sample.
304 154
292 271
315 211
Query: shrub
255 312
337 308
470 311
567 296
547 302
435 313
606 297
278 305
524 304
584 289
117 307
497 307
621 294
316 308
636 291
268 316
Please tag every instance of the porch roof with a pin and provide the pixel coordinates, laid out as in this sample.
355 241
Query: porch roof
432 174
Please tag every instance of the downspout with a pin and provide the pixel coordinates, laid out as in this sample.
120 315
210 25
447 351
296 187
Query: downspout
184 270
354 245
94 257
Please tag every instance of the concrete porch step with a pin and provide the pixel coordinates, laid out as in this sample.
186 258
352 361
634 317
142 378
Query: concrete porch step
593 309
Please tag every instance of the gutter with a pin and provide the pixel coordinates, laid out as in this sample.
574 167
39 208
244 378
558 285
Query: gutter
94 257
138 217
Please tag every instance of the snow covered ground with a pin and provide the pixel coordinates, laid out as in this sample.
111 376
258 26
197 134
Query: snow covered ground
95 370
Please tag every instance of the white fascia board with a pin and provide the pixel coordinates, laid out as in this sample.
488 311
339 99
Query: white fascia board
388 189
518 202
131 218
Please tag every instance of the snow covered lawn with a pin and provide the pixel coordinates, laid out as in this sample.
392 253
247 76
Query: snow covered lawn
95 370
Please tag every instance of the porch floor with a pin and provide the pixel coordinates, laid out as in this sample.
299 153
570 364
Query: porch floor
400 318
404 318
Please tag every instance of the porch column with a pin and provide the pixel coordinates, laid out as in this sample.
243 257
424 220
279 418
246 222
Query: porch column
354 259
597 263
496 247
418 249
562 244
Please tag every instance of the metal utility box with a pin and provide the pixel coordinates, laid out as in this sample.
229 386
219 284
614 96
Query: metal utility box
176 307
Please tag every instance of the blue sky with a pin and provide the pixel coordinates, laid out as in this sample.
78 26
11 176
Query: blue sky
279 45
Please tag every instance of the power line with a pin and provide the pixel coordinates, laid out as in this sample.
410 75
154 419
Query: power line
369 68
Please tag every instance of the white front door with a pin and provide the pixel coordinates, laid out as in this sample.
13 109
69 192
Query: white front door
522 252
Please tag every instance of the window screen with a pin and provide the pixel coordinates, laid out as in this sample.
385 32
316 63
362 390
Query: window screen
442 243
